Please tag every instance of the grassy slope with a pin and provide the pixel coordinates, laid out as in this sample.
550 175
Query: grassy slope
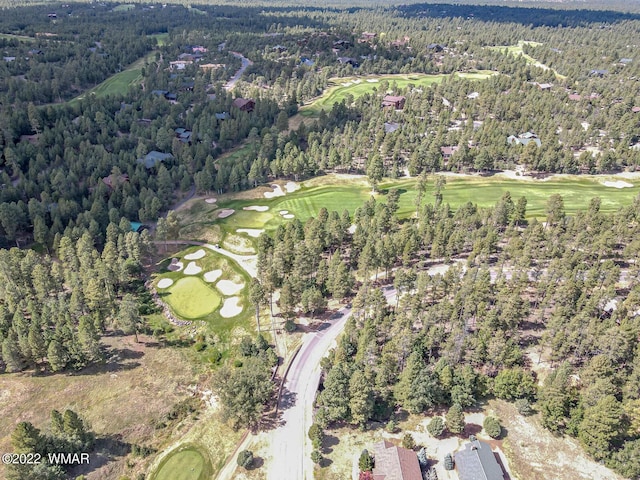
341 87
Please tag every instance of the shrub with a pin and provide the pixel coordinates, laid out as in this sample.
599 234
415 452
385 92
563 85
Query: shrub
365 462
408 441
290 326
316 435
448 462
245 459
199 346
492 427
524 407
436 426
422 459
316 456
392 426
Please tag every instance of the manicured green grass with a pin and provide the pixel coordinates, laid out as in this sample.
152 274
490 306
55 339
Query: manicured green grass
161 38
124 7
336 193
517 50
191 298
187 463
357 86
22 38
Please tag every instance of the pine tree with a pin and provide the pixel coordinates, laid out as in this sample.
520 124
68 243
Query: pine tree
455 419
362 403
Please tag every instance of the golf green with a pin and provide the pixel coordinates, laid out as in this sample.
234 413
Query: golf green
191 298
186 464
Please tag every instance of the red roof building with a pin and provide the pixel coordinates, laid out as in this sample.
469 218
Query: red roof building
395 463
391 101
244 104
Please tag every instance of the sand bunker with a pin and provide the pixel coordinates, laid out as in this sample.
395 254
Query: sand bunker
213 275
283 212
227 287
352 229
211 200
277 192
257 208
291 187
231 307
617 184
372 80
252 232
175 265
192 269
224 213
195 255
288 216
165 283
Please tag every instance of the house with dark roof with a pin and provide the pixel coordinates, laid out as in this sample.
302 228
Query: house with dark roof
477 462
598 73
351 61
244 104
393 101
153 158
113 180
395 463
183 135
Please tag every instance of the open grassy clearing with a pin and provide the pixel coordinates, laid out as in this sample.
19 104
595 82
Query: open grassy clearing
517 50
123 398
187 463
22 38
339 88
161 38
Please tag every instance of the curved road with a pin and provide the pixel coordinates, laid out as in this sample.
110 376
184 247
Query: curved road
245 64
289 445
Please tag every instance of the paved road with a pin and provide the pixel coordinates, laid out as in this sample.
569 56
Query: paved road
245 64
289 445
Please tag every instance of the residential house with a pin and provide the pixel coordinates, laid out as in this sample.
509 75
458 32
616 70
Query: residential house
395 463
244 104
352 61
400 42
307 62
473 95
390 127
392 101
114 180
9 59
575 97
180 64
183 135
545 86
478 462
211 66
280 48
523 139
435 47
635 109
625 61
153 158
448 151
199 49
222 116
598 73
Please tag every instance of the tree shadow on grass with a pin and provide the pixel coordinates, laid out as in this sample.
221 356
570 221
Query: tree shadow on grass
106 449
258 462
328 442
471 429
325 462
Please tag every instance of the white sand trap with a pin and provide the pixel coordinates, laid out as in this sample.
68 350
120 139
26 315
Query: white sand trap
175 265
257 208
291 187
283 212
195 255
352 229
211 200
165 283
231 307
288 216
227 212
252 232
192 269
227 287
617 184
213 275
372 80
277 192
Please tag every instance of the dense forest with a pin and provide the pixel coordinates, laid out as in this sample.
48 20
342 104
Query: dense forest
80 170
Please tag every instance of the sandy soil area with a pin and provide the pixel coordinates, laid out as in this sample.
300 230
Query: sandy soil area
165 283
617 184
257 208
277 192
227 287
175 265
211 200
195 255
231 307
212 276
252 232
226 212
291 187
192 269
